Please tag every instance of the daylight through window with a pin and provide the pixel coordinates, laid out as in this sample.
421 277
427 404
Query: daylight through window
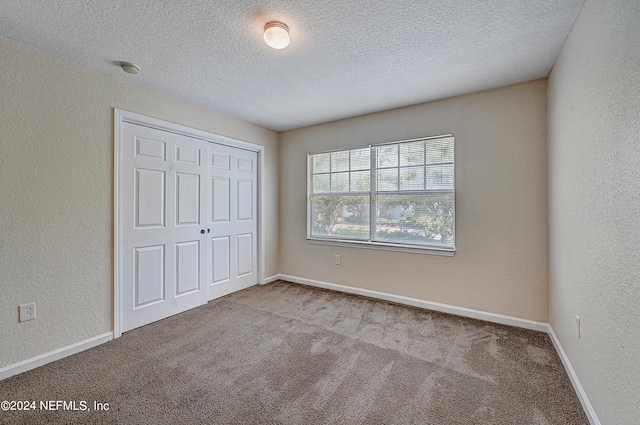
395 194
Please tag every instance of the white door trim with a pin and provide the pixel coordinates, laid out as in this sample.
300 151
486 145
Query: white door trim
120 117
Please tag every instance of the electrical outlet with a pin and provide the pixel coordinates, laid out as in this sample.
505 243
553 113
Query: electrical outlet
338 259
27 312
578 325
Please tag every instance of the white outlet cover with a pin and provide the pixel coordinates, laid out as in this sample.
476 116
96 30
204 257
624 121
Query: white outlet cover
27 312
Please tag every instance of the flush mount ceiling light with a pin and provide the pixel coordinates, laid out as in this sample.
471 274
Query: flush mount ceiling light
130 68
276 35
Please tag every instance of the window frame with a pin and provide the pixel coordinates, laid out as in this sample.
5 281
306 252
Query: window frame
373 193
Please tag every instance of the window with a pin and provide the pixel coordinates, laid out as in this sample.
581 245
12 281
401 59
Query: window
399 194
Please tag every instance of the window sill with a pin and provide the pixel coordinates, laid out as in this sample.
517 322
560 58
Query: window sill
384 247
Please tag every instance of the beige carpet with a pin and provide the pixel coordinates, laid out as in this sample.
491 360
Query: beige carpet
290 354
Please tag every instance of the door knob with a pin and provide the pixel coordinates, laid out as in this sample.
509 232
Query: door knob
202 231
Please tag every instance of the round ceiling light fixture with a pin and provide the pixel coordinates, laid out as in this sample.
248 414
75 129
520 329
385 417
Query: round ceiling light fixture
276 35
129 68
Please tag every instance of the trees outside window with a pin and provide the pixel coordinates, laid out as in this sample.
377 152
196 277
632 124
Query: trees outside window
393 194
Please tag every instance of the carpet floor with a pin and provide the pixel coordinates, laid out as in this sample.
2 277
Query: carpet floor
290 354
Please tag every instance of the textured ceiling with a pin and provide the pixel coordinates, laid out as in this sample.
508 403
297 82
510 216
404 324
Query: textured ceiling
346 58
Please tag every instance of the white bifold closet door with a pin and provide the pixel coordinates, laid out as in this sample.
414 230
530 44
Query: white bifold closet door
188 220
232 219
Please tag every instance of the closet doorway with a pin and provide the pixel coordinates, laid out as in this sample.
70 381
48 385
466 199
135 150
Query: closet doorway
187 218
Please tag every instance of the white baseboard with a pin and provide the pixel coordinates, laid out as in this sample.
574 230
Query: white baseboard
444 308
271 279
54 355
582 396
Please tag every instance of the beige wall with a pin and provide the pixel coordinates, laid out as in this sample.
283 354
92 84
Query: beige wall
56 193
56 200
594 205
501 204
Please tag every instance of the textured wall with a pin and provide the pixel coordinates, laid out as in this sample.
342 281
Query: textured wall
501 204
594 205
56 193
